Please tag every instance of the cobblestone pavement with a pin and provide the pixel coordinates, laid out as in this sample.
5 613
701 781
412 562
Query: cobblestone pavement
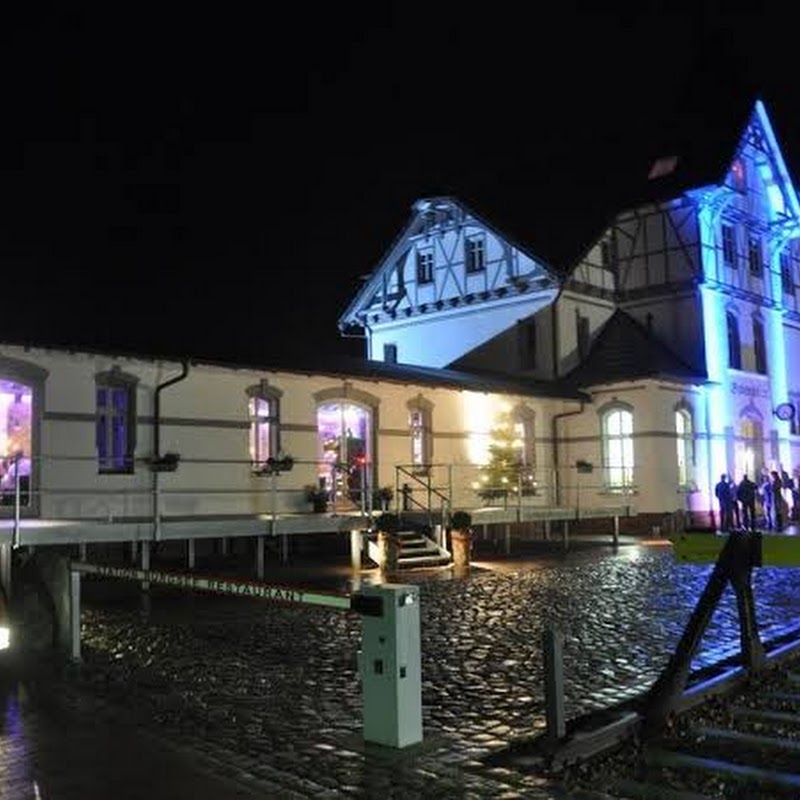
268 696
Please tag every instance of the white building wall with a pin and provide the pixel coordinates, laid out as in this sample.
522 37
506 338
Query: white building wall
442 338
205 420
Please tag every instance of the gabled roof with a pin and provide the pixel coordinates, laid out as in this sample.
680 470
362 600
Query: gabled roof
625 350
398 247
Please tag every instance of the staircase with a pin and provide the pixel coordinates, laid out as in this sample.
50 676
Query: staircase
416 551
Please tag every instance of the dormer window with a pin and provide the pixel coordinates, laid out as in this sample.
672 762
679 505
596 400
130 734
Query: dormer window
475 254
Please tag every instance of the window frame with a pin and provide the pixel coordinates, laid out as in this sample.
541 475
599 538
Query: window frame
475 254
271 395
685 444
787 274
729 245
734 340
425 266
755 260
622 482
761 364
112 382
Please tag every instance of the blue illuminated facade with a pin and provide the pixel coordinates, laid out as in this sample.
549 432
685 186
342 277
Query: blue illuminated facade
708 271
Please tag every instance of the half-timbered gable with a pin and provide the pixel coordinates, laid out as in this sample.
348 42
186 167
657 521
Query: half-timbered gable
450 283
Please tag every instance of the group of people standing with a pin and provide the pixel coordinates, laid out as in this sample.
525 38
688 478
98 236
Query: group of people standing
777 494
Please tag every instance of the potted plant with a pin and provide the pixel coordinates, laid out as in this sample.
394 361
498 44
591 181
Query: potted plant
318 497
461 539
388 525
382 498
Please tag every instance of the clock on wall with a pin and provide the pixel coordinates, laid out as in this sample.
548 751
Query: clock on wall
785 411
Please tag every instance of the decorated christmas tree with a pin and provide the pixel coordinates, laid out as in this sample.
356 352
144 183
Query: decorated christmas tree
506 474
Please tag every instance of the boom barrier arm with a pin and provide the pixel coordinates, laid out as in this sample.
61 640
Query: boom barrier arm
389 662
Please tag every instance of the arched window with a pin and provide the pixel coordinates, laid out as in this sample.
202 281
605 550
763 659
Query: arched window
617 437
263 407
684 433
759 346
734 343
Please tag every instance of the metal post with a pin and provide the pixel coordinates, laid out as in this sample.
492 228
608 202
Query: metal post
190 553
547 530
273 502
75 614
260 557
355 549
16 500
553 647
566 534
5 568
616 531
156 509
223 546
284 548
145 564
508 539
82 551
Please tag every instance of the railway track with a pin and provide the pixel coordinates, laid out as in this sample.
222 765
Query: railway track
742 744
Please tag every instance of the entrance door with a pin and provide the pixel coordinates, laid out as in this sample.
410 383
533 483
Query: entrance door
749 449
344 436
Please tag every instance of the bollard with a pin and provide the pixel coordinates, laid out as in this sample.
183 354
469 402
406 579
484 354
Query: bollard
553 646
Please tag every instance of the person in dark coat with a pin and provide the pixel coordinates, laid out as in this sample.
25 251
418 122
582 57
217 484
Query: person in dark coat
778 501
767 501
746 495
723 492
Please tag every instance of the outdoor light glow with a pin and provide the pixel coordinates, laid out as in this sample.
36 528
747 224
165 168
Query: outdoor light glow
5 638
477 422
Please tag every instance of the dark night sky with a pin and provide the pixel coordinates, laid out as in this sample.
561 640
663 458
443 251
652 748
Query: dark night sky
215 186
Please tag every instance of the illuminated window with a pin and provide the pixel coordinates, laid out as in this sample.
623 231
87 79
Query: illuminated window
475 253
617 435
16 424
759 347
729 246
264 416
424 266
754 256
115 421
734 343
420 413
787 276
684 432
